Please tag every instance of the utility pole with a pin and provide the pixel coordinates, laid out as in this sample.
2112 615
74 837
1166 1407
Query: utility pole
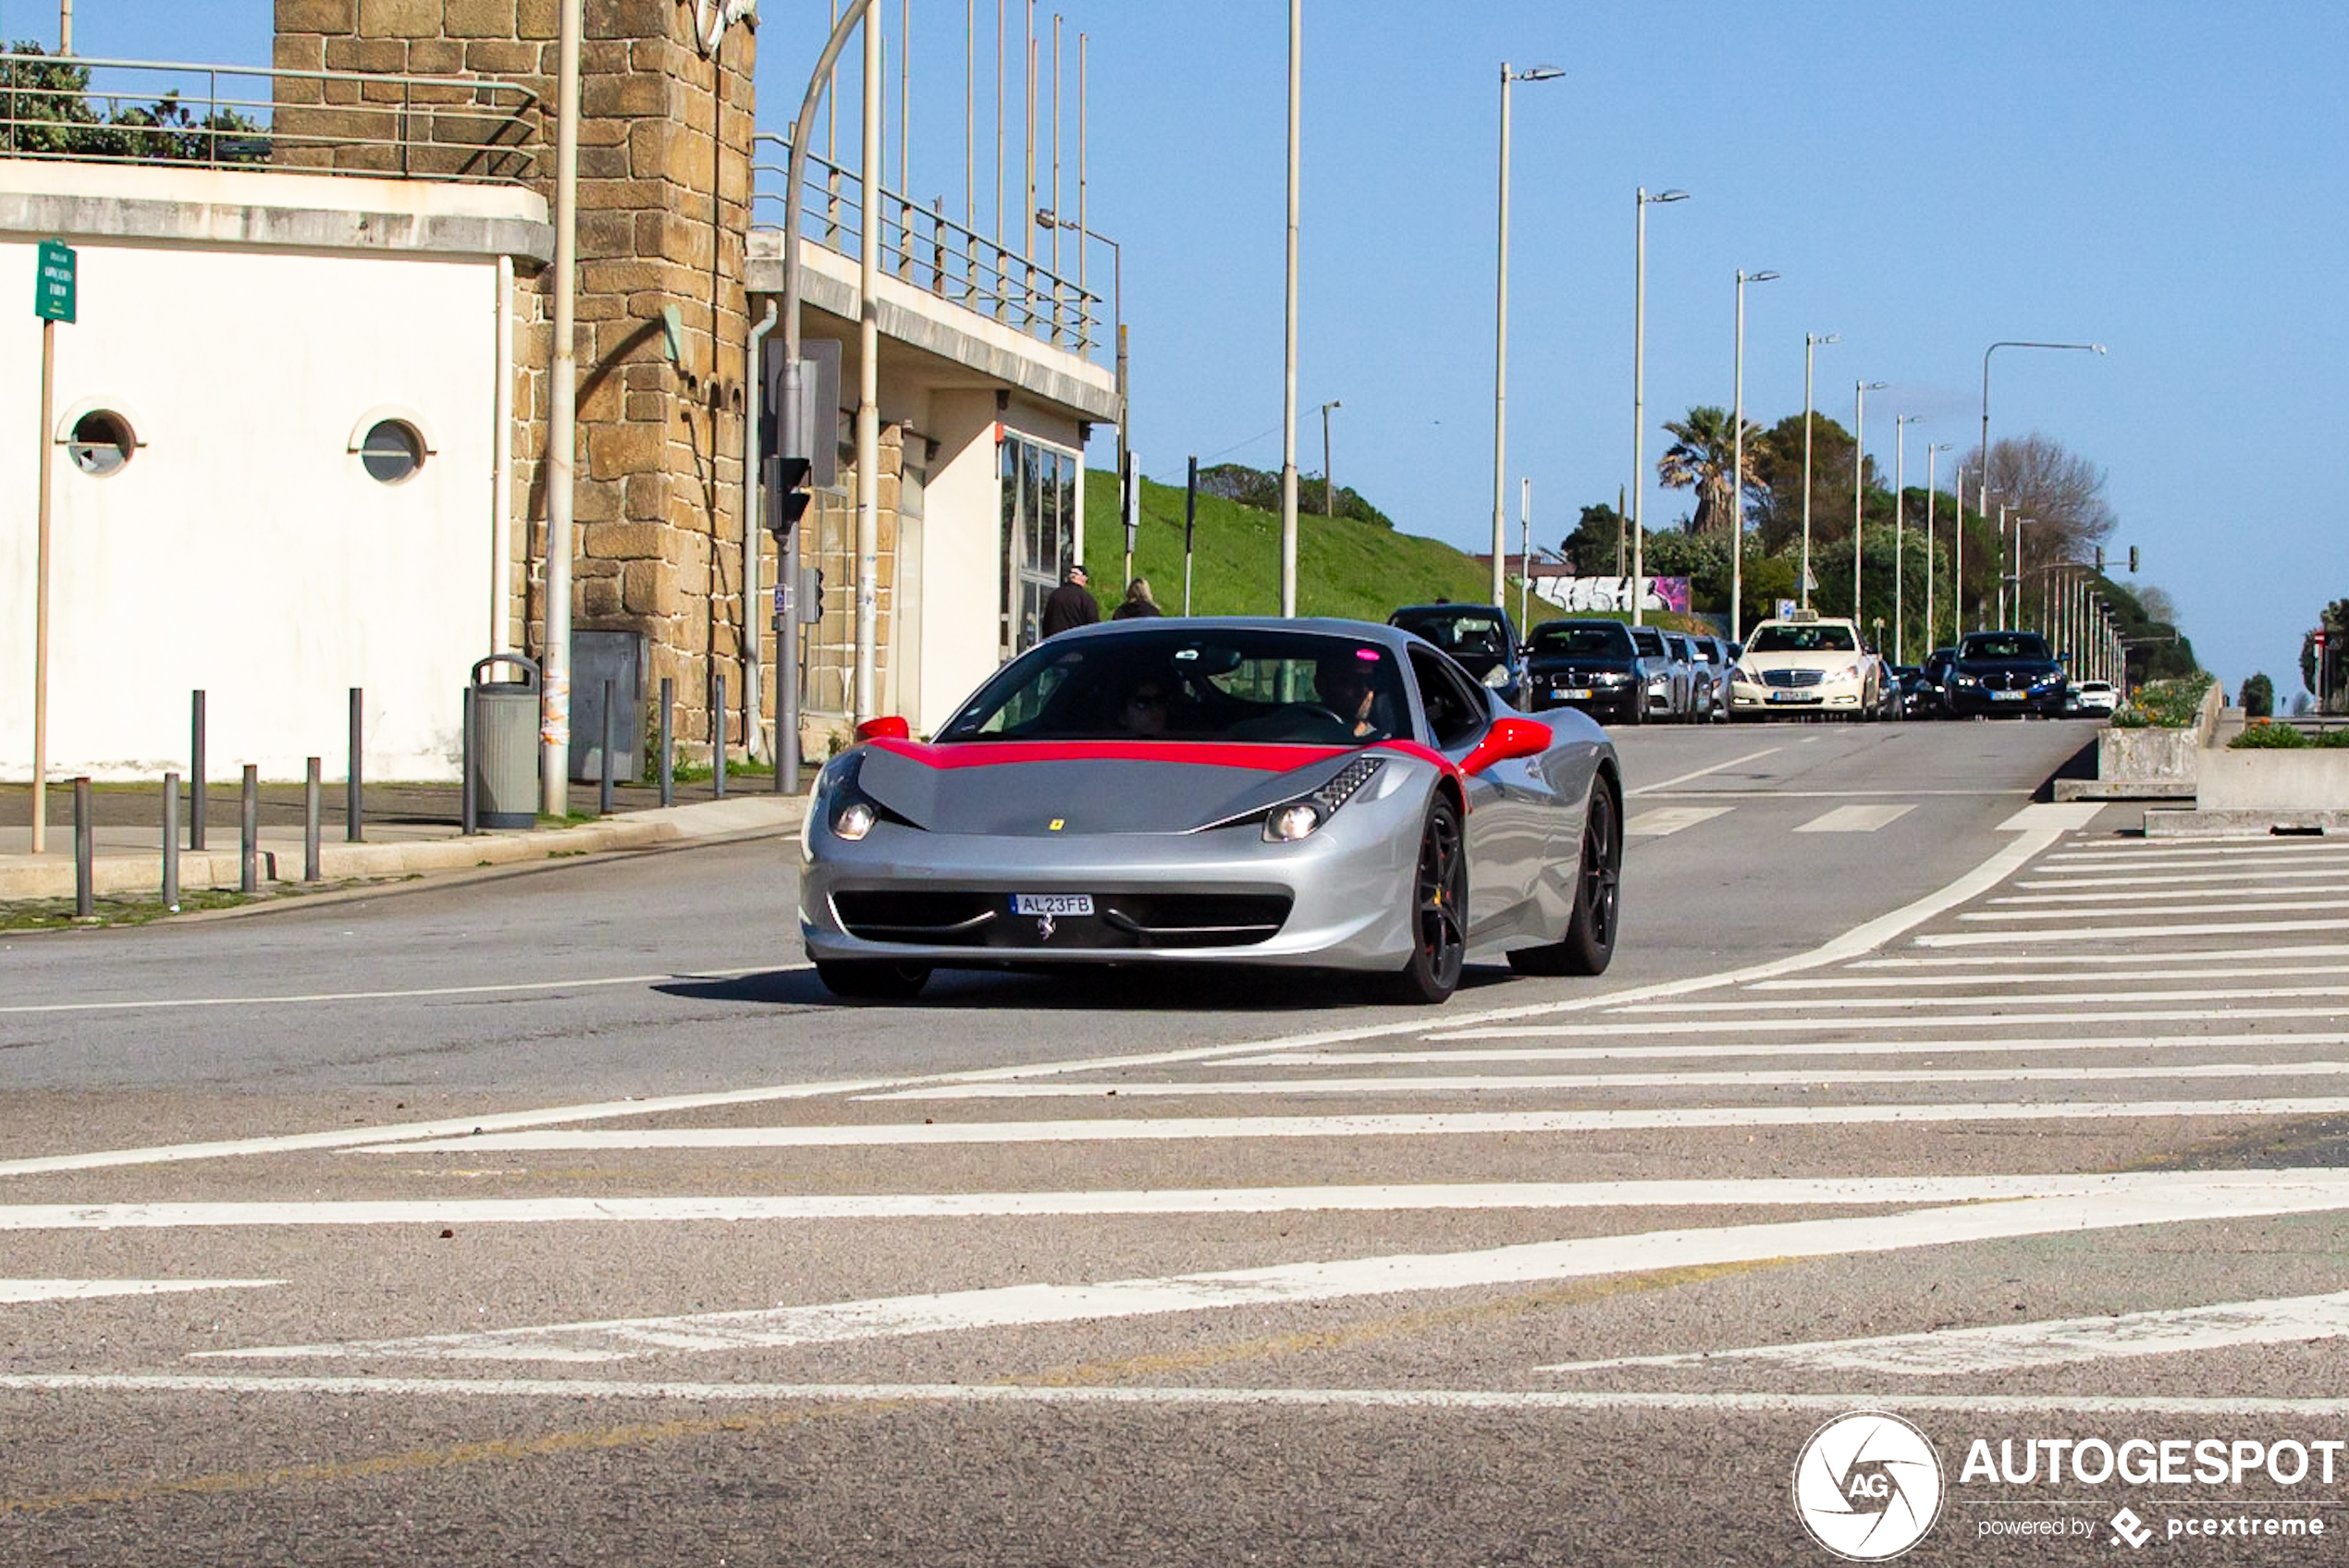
562 430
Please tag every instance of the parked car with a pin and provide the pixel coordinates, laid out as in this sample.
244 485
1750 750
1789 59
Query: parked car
1937 680
1591 664
1917 697
1284 793
2092 699
1805 663
2006 672
1668 675
1481 640
1713 661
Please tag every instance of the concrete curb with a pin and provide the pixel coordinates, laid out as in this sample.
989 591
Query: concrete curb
22 876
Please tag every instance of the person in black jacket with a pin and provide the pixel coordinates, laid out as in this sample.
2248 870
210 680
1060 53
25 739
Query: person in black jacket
1070 606
1139 605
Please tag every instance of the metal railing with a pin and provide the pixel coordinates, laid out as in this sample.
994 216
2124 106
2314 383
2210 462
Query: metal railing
923 246
451 127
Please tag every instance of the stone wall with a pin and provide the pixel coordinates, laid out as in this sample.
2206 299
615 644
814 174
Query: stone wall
664 186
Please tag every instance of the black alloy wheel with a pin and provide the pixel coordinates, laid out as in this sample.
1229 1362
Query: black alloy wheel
1438 910
1587 946
873 980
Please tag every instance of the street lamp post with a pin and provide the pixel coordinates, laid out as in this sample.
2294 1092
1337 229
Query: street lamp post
1329 479
1501 332
1288 355
1641 202
1899 538
1931 452
1860 390
1737 466
1810 341
1983 479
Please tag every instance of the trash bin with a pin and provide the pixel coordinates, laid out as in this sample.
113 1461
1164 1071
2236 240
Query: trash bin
503 766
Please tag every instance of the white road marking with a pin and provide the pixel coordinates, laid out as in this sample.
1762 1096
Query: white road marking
503 989
1764 793
2126 933
1028 1305
619 1388
1778 1050
1943 1021
1855 820
2149 851
2175 878
2156 912
1670 819
2073 998
1562 1083
1860 939
1699 773
2070 816
17 1291
2261 889
2010 978
2014 1347
1992 967
1447 1125
1744 1193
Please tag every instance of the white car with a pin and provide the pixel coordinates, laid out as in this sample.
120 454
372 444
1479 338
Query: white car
1805 663
2094 699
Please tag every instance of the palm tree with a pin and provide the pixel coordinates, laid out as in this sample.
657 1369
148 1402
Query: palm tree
1700 457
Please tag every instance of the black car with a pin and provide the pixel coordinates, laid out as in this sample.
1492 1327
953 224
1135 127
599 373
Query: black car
1918 699
2006 672
1480 640
1591 664
1936 670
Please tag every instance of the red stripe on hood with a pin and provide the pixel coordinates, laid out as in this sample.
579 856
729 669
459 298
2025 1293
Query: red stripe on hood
1201 754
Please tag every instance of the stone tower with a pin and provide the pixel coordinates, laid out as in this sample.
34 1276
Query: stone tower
664 190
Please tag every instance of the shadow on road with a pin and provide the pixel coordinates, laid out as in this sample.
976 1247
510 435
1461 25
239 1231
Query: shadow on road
1105 990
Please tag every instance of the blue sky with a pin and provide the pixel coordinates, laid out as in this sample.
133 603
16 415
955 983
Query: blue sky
2160 176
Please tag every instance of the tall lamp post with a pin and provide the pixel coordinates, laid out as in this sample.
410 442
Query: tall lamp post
1737 466
1983 478
1329 479
1289 353
1641 202
1501 335
1860 390
1931 453
1899 538
1810 341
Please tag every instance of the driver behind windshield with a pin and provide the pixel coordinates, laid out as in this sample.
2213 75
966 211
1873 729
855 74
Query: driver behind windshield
1347 684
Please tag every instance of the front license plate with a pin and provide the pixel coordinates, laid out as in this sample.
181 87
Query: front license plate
1792 697
1577 693
1052 903
2005 696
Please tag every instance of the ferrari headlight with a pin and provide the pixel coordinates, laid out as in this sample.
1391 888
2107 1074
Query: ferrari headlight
1292 822
854 821
1497 676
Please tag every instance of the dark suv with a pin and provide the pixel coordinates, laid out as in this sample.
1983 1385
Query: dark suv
1480 639
1591 664
2006 672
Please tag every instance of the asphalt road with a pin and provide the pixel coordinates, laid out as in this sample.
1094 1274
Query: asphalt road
558 1216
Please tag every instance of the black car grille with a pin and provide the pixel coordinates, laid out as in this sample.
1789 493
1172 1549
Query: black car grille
946 917
1794 677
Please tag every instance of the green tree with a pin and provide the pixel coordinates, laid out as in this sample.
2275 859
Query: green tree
1702 457
1777 472
1255 488
1592 544
45 104
2258 700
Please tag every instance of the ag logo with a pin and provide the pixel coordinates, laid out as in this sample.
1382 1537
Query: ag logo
1867 1485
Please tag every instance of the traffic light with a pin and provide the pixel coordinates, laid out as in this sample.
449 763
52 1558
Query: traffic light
810 598
2133 558
787 493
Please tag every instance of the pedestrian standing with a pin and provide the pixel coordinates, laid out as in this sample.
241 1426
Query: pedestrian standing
1070 606
1140 604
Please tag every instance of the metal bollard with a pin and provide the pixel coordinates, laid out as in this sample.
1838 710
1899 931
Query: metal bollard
668 763
84 863
310 823
195 772
353 788
603 785
718 738
171 842
468 805
249 867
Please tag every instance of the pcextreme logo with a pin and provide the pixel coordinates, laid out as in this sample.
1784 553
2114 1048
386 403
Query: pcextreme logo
1867 1485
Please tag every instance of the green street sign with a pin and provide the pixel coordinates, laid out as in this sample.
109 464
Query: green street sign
53 282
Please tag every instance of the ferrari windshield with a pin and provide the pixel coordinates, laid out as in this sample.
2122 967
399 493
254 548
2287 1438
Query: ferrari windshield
1238 684
1781 637
2005 645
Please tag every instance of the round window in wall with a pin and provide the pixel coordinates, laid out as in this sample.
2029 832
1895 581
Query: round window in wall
101 443
392 450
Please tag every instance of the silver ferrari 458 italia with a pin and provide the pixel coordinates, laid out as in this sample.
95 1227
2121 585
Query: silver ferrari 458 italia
1307 793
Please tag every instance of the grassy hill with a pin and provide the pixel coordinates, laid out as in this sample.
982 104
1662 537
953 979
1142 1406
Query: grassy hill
1356 570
